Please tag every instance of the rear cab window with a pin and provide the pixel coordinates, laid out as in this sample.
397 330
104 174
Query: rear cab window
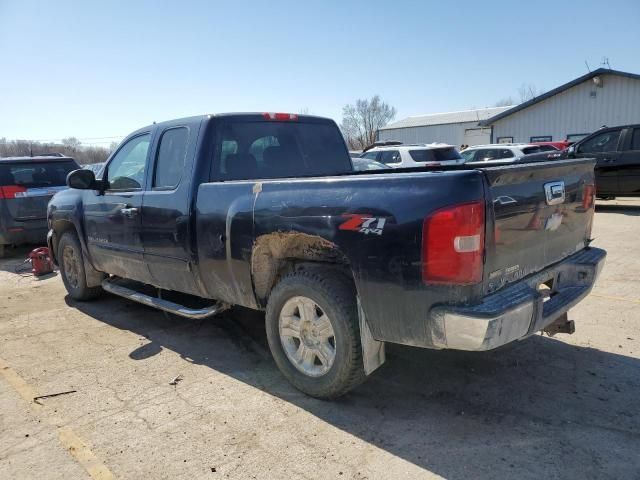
278 149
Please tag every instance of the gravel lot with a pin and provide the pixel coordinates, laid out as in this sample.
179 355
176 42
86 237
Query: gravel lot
566 407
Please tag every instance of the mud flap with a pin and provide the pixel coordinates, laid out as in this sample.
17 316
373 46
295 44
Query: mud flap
373 351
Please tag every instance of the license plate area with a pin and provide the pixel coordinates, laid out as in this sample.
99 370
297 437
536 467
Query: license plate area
547 289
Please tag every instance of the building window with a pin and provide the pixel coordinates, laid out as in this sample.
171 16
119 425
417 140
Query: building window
541 138
505 139
574 137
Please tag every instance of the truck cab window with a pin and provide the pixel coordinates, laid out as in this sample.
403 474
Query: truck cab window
127 169
252 150
605 142
170 159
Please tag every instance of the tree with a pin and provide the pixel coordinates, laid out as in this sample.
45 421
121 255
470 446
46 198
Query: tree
71 143
361 121
528 92
505 102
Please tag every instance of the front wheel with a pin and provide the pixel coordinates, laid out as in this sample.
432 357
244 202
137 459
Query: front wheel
313 332
72 268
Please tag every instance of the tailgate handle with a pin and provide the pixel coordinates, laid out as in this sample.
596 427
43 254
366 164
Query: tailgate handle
554 192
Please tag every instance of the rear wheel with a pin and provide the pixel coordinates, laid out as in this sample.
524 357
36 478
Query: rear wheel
313 332
72 268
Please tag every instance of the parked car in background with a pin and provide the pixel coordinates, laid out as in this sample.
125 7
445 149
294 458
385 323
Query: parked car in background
26 186
548 146
361 164
265 211
397 155
499 152
617 152
96 168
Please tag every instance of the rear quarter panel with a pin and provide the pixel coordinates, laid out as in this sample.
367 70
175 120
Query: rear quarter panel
386 265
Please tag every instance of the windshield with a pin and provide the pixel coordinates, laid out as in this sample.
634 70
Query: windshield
36 174
467 155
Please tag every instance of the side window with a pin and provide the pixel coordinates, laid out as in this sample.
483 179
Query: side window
171 155
421 156
390 156
635 139
485 155
505 153
370 155
127 169
604 142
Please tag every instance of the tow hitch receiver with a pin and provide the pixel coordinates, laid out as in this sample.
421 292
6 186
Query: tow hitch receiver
561 325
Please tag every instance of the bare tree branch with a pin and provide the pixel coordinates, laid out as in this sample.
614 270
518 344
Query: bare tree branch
361 121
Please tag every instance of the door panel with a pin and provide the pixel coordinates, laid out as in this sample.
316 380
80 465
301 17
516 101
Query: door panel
166 212
113 219
604 147
629 171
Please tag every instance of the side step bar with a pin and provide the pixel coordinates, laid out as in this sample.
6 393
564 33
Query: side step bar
162 304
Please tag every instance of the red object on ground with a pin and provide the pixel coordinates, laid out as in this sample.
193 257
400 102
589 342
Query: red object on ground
41 262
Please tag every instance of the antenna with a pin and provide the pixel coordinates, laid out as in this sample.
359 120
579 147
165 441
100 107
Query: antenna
605 61
588 69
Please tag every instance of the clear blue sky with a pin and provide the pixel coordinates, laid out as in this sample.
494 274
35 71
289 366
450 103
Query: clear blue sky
103 68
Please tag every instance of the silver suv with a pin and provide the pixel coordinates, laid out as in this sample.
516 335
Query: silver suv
499 152
397 155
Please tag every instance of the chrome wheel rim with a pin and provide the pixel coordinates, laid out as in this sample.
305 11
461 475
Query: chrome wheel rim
71 267
307 336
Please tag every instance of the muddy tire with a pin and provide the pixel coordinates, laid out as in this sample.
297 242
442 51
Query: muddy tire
313 332
72 268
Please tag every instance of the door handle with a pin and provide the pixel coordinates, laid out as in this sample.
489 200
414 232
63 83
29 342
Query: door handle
129 212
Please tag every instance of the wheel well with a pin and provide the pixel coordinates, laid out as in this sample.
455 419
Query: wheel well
59 228
276 254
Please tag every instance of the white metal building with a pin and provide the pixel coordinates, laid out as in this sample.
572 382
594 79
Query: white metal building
454 128
573 110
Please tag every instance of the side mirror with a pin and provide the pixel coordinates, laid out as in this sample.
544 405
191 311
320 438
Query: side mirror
571 150
82 179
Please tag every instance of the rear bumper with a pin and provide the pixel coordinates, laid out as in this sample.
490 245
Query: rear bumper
19 233
519 310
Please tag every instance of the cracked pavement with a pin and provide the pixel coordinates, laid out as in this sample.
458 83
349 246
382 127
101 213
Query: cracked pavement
562 407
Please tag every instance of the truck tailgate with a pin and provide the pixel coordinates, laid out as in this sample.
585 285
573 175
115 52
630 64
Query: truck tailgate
539 214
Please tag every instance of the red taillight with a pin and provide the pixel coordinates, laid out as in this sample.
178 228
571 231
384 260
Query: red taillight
280 116
10 191
588 195
453 245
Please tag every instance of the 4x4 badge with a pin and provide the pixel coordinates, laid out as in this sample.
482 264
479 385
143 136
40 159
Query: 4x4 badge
363 223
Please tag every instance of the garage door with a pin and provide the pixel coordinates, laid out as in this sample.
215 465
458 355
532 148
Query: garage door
477 136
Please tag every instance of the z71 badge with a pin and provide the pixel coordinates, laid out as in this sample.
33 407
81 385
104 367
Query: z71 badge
363 223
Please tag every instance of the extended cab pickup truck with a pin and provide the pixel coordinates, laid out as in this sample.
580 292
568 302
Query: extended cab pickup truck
265 211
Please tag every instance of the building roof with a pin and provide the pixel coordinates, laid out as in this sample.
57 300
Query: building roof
449 117
557 90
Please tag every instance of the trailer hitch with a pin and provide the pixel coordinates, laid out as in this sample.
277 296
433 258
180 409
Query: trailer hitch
560 325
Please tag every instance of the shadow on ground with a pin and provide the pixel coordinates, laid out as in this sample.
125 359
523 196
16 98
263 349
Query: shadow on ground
632 210
538 409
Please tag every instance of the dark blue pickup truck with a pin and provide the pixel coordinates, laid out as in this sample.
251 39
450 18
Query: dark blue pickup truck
266 211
